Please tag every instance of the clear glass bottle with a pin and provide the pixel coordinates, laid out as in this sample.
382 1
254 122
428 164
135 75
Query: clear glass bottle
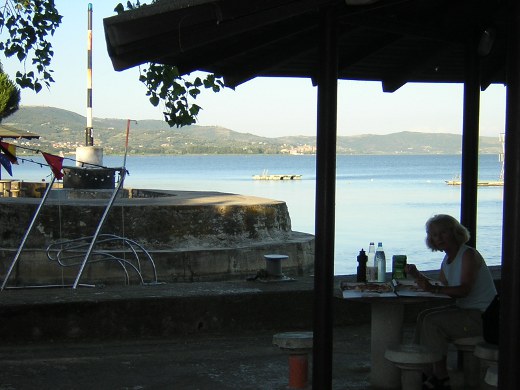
380 260
371 255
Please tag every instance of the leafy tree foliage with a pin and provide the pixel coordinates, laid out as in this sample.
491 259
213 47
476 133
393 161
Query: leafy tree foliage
163 83
9 96
28 24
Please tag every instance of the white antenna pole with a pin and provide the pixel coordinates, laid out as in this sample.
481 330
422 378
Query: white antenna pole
89 139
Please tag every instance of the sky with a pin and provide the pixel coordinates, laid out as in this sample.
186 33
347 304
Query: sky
268 107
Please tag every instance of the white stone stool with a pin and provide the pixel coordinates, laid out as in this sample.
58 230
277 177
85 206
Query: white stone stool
297 345
491 377
273 264
488 355
411 359
470 363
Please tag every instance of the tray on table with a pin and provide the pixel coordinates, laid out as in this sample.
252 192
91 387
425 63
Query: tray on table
403 288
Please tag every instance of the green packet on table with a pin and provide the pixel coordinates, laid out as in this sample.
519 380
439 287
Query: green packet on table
399 267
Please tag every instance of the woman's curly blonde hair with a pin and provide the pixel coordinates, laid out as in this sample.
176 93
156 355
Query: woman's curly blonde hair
459 232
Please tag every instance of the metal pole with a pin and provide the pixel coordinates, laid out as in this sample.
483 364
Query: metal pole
28 231
126 140
89 138
470 134
325 201
122 173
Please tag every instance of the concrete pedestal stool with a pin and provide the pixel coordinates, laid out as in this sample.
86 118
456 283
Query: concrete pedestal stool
5 187
411 359
470 363
273 264
491 377
488 355
297 345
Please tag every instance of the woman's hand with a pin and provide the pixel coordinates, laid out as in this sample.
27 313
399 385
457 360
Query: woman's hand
425 285
412 270
422 281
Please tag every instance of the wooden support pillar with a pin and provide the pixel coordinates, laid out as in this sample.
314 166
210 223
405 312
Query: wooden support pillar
325 201
470 136
509 350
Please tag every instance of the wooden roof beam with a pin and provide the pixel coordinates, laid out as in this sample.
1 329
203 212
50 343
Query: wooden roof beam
191 31
349 58
489 75
294 42
413 65
396 25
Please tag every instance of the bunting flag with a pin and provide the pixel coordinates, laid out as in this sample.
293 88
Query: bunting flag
10 151
56 164
4 160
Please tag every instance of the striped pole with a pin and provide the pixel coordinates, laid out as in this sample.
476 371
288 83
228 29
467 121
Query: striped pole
89 139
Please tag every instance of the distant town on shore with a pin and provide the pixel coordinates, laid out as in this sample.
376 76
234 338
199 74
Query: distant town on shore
62 131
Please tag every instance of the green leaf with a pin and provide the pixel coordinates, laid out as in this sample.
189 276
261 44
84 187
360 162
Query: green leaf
194 110
154 100
119 9
194 92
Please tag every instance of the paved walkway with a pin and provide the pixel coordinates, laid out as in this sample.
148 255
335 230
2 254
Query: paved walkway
206 362
212 362
199 336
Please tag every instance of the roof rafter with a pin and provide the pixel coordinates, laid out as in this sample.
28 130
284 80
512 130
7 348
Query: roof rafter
414 64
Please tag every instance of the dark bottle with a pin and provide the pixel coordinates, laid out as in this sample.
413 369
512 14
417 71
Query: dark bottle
362 266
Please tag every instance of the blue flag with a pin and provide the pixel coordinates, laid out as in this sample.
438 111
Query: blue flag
4 160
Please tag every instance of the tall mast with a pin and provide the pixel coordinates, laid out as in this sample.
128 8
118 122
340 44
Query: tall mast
89 139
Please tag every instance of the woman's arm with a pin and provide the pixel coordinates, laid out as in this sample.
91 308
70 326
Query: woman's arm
419 277
471 262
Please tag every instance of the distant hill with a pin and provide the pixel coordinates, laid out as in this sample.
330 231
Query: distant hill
63 131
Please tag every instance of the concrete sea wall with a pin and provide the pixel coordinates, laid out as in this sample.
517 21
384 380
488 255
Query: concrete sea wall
191 236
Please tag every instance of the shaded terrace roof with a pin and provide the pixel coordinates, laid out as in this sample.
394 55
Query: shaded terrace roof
390 41
11 132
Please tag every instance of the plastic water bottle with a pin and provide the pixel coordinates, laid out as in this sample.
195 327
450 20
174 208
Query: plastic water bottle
371 255
362 266
380 260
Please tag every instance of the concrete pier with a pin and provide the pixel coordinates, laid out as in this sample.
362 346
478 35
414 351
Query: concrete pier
191 236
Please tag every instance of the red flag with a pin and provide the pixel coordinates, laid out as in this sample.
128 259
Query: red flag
10 151
56 164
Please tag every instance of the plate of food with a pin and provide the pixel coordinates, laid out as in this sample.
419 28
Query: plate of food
408 288
371 289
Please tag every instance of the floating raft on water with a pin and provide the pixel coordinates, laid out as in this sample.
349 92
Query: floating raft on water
491 183
497 183
265 176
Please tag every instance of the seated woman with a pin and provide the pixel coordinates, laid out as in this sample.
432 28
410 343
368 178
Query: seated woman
464 276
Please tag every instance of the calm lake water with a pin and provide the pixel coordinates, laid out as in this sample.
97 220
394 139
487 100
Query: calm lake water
378 198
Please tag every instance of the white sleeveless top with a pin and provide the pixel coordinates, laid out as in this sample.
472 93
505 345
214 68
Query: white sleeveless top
483 290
